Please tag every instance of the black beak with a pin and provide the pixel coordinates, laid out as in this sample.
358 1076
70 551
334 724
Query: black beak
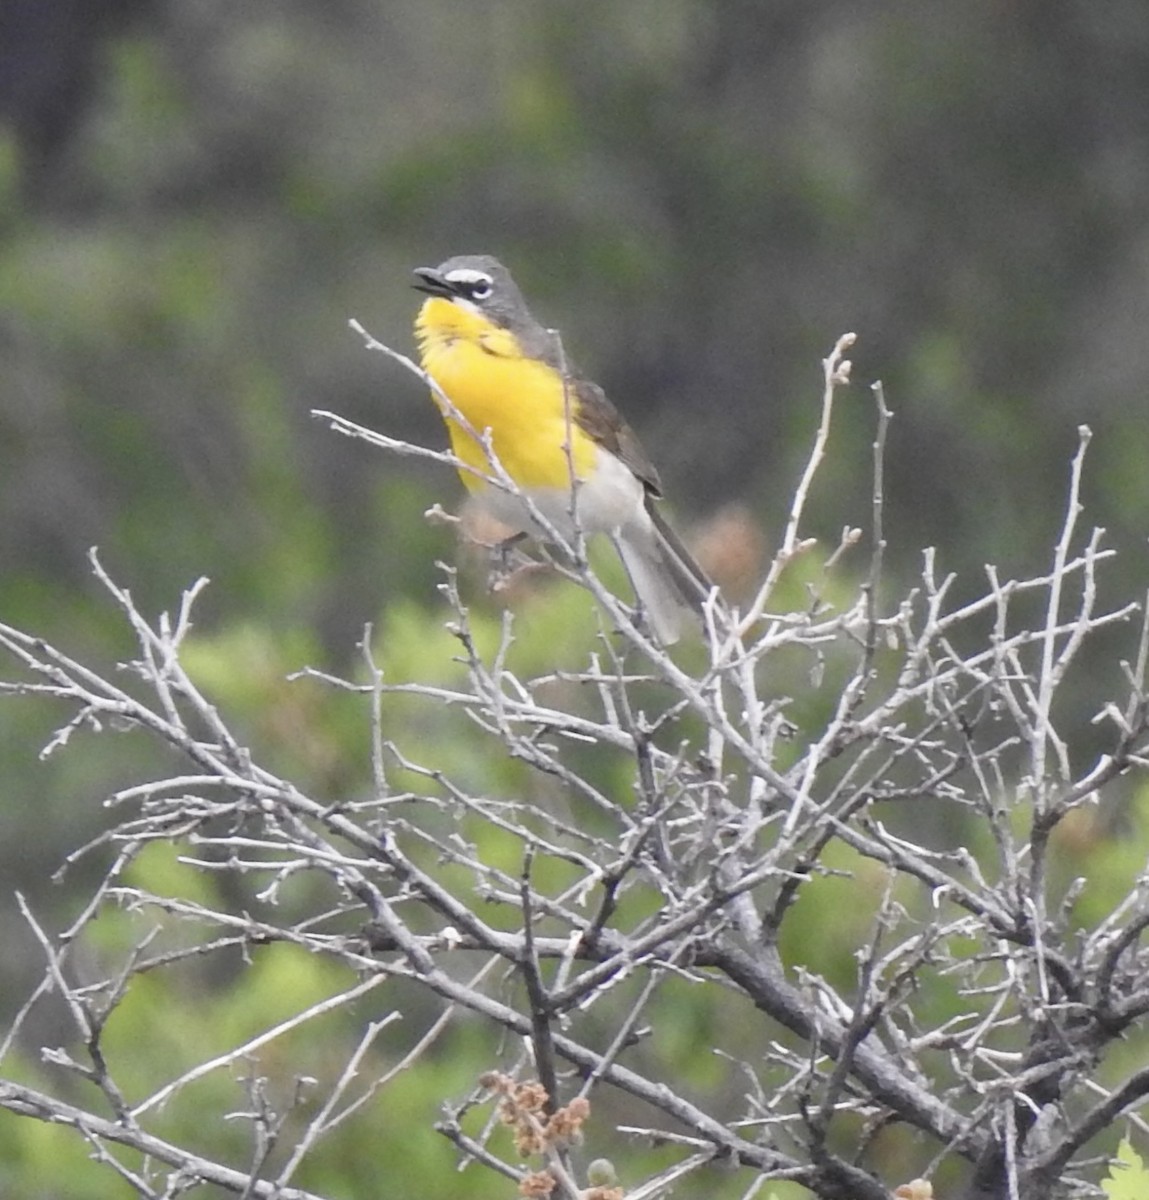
428 280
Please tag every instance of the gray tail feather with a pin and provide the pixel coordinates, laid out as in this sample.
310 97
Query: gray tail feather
695 586
669 584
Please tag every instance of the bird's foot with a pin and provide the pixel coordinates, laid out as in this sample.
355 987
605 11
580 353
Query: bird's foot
508 562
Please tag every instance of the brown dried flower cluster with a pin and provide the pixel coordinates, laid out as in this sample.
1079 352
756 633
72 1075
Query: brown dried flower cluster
538 1183
523 1109
565 1126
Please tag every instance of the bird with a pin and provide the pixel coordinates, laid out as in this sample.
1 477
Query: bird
553 432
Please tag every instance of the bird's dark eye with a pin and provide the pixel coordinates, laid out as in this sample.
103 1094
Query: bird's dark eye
468 284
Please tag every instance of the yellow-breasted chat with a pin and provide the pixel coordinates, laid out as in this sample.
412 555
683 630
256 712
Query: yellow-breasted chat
506 376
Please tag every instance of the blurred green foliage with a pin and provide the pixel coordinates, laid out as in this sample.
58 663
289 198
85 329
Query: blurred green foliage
703 197
318 735
1128 1178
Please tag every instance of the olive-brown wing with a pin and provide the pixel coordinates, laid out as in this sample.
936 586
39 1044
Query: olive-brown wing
603 423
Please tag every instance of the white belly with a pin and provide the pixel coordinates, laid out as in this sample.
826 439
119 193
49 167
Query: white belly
610 501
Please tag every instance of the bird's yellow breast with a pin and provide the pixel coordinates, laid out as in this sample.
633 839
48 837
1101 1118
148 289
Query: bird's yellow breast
483 370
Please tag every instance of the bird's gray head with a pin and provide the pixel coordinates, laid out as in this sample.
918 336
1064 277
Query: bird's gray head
478 283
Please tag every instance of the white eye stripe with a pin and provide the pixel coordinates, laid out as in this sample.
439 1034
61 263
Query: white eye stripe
467 275
476 284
